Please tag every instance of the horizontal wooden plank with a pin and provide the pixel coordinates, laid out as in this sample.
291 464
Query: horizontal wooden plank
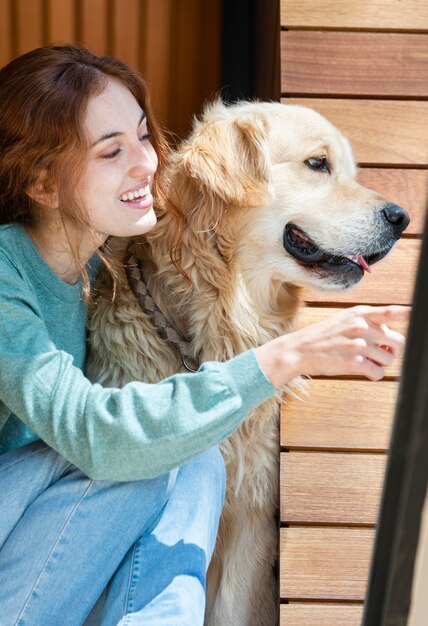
381 131
406 187
311 614
324 563
342 415
312 314
390 282
335 63
370 14
318 487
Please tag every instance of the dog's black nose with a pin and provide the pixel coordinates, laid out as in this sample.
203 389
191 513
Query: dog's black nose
397 217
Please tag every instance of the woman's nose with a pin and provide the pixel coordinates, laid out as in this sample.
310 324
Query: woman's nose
144 162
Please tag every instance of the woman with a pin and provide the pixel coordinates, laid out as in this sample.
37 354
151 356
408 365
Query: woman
112 491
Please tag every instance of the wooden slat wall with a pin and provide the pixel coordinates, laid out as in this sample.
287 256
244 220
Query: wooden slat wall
377 128
400 69
175 45
363 65
372 15
309 614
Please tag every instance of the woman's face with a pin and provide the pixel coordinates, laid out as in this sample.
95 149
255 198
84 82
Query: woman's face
121 162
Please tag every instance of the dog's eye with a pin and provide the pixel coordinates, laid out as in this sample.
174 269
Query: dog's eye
320 164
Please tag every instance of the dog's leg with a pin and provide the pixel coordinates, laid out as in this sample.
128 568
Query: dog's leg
242 585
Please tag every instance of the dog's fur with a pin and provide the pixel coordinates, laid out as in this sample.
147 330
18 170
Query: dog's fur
241 177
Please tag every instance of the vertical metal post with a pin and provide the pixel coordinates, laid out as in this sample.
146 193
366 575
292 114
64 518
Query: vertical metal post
391 576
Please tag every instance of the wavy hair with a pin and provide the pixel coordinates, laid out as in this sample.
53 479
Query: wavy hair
43 100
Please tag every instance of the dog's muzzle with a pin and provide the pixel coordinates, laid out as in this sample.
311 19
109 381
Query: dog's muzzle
345 269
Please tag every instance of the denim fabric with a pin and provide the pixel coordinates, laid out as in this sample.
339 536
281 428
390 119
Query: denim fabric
141 548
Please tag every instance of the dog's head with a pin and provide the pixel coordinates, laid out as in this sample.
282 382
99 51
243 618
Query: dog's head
275 186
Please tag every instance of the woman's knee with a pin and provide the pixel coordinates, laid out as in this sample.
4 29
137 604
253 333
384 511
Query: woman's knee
202 479
141 499
209 471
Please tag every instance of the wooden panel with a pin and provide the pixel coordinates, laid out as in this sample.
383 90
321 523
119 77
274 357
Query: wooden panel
126 31
176 44
390 282
325 563
29 15
93 25
309 614
381 131
370 14
331 63
5 33
61 20
157 55
322 483
342 415
189 52
408 188
319 487
313 314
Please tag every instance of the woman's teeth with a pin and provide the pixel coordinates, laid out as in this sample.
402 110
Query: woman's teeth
132 195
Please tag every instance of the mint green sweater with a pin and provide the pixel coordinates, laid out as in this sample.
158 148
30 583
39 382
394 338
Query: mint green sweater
139 431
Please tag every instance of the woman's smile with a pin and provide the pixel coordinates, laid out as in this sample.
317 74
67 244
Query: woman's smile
138 198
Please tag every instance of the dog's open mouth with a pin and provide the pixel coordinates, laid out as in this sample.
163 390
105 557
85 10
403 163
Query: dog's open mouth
302 248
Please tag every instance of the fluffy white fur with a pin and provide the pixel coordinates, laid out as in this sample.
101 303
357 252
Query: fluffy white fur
239 179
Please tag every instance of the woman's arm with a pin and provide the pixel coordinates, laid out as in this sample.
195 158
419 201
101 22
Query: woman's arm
143 430
139 431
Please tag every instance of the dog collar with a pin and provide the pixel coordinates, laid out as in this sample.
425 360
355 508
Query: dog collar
134 274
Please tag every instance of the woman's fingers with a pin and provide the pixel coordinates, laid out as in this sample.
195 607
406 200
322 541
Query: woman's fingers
384 314
370 370
367 360
391 339
380 356
381 336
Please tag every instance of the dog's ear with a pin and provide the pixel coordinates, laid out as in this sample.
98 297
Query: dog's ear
230 159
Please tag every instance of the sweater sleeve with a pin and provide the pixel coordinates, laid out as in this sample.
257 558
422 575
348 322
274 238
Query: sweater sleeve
139 431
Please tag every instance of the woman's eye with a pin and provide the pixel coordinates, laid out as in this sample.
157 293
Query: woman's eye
319 164
114 153
146 137
111 155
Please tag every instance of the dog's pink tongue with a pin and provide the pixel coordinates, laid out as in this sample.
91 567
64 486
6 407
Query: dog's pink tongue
364 264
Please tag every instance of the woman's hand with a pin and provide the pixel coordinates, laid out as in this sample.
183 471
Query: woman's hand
355 341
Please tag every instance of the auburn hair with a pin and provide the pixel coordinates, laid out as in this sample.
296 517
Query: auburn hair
43 100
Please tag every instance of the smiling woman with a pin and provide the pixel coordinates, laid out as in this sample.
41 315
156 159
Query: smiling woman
54 194
117 484
113 189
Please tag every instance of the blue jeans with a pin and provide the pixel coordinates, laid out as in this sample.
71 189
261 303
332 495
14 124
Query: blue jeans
143 547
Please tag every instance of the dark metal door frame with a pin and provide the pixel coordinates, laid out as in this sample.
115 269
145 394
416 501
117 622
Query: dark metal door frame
250 57
405 487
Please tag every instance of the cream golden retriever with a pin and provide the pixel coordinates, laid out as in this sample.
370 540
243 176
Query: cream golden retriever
272 205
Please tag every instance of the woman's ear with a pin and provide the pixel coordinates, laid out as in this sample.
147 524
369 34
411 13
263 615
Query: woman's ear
40 192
